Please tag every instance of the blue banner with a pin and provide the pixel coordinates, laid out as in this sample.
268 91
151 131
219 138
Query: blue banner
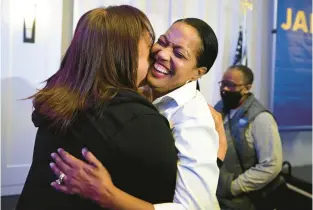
292 99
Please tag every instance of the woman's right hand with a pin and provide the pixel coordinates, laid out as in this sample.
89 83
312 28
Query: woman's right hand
91 181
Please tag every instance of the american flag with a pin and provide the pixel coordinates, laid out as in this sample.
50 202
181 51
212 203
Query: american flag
241 52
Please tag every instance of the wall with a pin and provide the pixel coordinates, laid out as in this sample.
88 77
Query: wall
297 147
23 67
67 25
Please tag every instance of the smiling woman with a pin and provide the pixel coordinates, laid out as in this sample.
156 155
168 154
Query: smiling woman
181 55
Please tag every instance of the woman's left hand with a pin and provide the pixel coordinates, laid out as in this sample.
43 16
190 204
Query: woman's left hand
91 181
219 126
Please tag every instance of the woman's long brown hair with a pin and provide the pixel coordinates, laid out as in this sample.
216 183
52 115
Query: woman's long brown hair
101 59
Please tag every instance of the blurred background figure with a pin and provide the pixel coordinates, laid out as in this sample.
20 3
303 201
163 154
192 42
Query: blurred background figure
254 156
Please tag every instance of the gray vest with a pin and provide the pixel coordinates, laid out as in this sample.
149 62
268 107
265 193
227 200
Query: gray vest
235 129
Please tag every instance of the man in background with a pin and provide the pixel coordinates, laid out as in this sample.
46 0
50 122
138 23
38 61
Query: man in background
254 157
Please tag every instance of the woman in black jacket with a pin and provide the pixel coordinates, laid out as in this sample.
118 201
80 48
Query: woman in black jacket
92 101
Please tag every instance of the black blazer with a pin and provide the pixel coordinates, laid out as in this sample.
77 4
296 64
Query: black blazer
131 139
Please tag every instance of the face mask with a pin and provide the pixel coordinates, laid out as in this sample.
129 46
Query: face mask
231 99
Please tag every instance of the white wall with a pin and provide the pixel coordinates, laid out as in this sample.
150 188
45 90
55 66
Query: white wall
297 147
23 67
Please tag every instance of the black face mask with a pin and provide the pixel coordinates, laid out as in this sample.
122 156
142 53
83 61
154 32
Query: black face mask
231 99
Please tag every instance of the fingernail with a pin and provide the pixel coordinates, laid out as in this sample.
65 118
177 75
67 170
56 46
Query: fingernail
51 165
53 155
60 150
84 150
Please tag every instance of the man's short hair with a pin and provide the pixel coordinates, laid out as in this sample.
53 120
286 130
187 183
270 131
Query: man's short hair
246 71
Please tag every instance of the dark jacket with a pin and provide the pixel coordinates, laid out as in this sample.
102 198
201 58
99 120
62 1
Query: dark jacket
131 139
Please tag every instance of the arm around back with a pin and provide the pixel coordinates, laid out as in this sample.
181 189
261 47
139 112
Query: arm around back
147 145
